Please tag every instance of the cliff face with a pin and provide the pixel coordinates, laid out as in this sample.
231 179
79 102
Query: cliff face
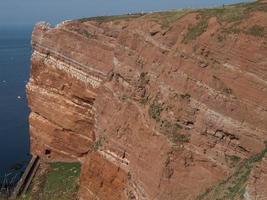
157 106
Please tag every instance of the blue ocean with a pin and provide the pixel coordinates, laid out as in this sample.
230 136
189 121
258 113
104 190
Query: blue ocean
15 52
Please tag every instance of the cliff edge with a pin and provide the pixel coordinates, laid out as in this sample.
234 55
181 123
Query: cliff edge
165 106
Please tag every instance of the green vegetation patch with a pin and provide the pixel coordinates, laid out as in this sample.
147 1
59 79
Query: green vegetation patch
234 186
60 182
256 30
165 19
232 160
235 12
231 14
98 143
111 18
155 110
172 131
196 30
227 13
84 33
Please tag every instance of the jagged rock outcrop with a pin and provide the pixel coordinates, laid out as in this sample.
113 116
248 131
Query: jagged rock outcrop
155 106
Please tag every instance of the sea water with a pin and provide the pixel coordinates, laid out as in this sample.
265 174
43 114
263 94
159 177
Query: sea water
15 51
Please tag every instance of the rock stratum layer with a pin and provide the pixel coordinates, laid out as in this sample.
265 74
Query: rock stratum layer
157 106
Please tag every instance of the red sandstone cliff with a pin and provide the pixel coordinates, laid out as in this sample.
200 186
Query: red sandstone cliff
158 106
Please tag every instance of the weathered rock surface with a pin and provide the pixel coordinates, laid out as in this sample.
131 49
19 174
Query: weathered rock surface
156 106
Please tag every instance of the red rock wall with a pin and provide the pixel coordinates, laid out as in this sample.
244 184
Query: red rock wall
148 115
61 97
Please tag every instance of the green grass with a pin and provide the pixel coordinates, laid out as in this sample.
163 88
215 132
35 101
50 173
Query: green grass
223 14
233 158
165 19
196 30
86 34
83 32
59 183
62 181
233 14
155 110
227 13
232 30
256 30
172 131
234 186
111 18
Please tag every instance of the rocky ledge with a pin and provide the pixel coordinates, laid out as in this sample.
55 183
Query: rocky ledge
169 105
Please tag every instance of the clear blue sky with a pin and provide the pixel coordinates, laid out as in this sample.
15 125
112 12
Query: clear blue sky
22 12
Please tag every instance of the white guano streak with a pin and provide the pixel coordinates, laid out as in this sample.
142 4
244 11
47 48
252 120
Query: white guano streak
74 72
